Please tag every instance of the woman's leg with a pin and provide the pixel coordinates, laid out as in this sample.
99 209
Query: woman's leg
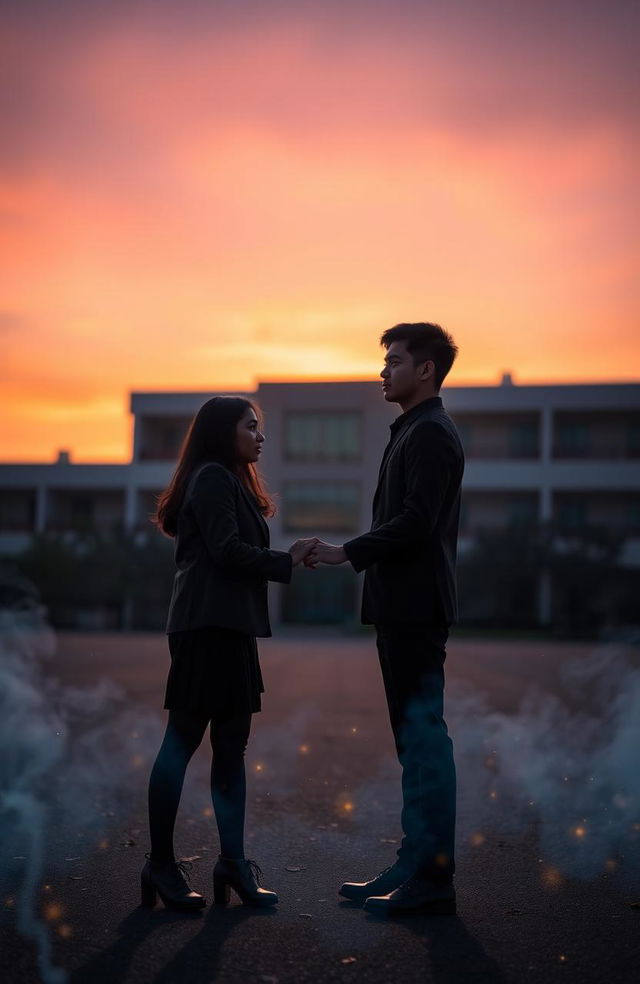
229 739
184 733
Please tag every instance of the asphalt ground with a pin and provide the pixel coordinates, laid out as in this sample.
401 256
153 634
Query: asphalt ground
548 835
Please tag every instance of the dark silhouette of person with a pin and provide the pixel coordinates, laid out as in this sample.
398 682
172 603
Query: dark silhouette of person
409 595
214 506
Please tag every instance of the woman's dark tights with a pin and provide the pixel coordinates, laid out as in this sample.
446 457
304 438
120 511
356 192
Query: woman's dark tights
185 731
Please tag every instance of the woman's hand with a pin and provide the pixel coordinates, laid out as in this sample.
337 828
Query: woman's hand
326 553
301 549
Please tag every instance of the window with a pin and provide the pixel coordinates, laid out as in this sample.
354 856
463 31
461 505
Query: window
524 439
523 510
500 435
319 506
633 512
463 527
572 512
572 438
633 438
162 437
465 433
81 509
146 506
330 435
17 510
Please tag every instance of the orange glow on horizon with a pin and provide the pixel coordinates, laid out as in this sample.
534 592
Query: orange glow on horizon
207 206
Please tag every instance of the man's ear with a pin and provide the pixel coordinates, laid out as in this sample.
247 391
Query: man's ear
427 369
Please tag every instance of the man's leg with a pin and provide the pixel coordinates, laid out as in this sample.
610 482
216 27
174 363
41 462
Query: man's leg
412 665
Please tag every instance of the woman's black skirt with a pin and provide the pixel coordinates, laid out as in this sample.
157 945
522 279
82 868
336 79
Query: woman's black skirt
213 671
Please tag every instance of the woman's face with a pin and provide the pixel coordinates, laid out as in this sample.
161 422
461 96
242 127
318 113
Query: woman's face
248 438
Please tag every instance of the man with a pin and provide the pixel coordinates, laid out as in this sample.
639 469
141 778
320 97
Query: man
409 595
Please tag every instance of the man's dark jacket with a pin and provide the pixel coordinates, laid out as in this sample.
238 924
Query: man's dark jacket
410 553
223 557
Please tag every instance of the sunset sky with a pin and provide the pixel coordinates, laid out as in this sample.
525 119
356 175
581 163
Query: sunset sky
201 195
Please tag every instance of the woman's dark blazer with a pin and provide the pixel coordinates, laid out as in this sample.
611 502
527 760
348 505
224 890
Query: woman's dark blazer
223 557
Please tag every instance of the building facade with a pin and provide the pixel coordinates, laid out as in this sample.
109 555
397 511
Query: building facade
533 453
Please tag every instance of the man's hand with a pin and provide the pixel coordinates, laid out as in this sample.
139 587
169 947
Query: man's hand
325 553
300 550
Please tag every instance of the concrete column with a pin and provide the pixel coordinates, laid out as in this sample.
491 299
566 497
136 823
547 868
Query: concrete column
546 502
130 496
546 435
546 508
137 437
41 509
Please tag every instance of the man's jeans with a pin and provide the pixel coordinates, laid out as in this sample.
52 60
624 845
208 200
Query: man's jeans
412 663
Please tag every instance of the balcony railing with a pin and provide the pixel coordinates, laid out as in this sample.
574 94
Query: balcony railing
602 452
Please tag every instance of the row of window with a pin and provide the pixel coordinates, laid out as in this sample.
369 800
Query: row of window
330 506
337 436
309 436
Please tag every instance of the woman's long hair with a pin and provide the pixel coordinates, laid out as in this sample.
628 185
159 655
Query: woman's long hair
211 437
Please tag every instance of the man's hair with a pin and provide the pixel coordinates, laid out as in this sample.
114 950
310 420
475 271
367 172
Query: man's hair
425 341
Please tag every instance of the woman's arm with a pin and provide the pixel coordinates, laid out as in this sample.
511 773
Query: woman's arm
214 504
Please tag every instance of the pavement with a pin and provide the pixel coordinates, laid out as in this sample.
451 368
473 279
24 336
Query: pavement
548 833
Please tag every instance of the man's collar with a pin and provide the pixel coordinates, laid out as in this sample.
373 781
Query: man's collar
408 415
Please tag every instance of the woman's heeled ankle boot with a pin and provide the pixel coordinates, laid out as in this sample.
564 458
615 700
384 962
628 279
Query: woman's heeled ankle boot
167 880
244 878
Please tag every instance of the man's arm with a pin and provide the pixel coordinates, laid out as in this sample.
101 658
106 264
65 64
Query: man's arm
430 461
214 506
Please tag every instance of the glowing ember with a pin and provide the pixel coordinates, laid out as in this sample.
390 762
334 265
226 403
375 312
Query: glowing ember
562 958
611 864
477 839
579 832
53 911
208 811
345 804
137 759
353 730
493 795
104 844
304 749
552 877
259 767
65 931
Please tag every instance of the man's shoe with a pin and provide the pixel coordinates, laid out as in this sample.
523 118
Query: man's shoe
388 880
415 895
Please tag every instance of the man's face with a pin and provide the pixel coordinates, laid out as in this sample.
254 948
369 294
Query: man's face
402 381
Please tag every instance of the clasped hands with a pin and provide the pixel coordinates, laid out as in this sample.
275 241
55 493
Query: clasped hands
314 551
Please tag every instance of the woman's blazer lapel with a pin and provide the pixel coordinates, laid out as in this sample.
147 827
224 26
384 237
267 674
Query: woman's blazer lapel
256 512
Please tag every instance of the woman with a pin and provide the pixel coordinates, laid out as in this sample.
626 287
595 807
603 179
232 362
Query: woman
214 507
